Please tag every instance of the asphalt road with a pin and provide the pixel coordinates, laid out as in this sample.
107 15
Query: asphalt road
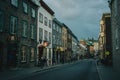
82 70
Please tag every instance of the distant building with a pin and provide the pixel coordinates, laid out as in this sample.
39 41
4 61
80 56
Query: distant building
83 48
96 47
115 25
18 30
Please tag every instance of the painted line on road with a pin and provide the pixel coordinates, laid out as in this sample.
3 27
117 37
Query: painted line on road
98 72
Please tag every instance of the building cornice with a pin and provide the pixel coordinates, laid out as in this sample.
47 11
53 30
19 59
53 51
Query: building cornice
46 7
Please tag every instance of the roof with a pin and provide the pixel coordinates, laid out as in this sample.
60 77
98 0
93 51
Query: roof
46 7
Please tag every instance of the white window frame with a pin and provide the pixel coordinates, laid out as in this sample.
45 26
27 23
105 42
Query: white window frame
50 23
25 7
41 33
53 39
32 54
33 13
41 17
14 3
25 25
45 35
50 37
54 26
32 31
117 38
13 24
23 55
45 21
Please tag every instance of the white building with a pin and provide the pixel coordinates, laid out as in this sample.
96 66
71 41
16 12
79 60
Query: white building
44 31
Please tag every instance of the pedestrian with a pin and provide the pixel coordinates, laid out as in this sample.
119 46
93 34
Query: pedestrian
107 54
40 51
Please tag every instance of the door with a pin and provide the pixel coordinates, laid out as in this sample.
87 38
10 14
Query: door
12 55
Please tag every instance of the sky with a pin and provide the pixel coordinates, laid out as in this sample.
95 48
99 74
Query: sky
81 16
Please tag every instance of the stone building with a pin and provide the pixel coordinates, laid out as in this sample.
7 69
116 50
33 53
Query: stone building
64 41
69 44
115 24
18 25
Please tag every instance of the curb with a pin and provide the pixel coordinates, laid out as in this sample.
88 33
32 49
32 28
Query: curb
22 76
99 74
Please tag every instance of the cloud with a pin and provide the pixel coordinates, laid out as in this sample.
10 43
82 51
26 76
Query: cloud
82 16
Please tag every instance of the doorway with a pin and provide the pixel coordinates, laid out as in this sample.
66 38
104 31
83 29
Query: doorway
12 55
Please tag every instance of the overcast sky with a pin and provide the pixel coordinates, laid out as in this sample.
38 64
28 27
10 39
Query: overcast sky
81 16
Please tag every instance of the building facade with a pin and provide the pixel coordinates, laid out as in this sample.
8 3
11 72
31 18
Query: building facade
105 40
75 42
115 25
69 44
64 41
57 41
45 18
83 49
18 25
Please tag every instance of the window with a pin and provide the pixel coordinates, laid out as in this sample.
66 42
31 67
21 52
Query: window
57 28
1 21
25 7
41 17
54 26
50 23
40 33
13 24
50 35
32 54
50 53
46 35
14 3
23 54
46 21
33 13
117 39
32 32
60 30
115 7
24 32
53 39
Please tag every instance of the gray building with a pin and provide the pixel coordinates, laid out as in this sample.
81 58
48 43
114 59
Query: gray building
18 35
115 24
57 41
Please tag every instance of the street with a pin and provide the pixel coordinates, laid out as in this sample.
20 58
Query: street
82 70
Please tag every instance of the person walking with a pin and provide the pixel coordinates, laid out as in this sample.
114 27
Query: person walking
40 53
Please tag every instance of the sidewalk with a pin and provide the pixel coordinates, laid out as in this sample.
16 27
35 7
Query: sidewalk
23 72
107 73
